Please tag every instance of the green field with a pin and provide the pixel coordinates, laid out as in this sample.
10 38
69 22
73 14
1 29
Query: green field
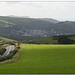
48 40
51 40
5 39
43 59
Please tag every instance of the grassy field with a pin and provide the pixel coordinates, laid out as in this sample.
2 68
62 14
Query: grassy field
43 59
48 40
5 39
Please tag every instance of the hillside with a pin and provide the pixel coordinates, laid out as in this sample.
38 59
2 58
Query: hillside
5 39
49 40
29 28
18 16
50 20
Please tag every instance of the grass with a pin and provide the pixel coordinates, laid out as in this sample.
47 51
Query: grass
43 59
5 39
48 40
15 57
6 22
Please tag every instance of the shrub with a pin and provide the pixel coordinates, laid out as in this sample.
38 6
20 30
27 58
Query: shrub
2 51
9 56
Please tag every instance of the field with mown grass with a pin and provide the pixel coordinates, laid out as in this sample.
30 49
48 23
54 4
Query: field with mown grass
43 59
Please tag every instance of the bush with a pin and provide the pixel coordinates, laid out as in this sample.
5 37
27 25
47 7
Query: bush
9 56
65 40
18 47
2 51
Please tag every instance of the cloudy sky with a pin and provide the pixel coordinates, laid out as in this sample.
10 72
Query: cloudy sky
57 10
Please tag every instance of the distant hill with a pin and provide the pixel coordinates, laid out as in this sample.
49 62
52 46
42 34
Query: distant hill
50 20
23 28
18 16
29 28
25 17
45 19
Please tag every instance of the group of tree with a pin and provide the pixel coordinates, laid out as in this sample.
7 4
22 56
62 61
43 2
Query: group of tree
65 40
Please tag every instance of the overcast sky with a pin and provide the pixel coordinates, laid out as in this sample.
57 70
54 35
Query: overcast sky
57 10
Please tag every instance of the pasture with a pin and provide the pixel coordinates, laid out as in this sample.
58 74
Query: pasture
43 59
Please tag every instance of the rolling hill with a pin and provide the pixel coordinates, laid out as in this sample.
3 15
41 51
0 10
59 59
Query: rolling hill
49 40
5 39
29 28
50 20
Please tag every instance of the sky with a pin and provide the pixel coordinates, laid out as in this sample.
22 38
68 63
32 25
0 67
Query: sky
57 10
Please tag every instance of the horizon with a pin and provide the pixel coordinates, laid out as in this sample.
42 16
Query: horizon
13 16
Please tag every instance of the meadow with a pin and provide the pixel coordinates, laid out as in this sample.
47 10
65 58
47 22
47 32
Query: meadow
5 39
43 59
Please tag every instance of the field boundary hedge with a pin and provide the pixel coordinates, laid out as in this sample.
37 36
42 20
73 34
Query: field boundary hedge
15 57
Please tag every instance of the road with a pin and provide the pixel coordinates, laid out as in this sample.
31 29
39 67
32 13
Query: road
8 50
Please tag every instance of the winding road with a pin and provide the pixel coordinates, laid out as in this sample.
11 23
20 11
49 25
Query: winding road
8 50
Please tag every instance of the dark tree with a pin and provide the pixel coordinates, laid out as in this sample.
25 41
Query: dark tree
64 40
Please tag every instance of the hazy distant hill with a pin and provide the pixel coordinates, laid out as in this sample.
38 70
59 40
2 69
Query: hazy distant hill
45 19
50 20
30 28
18 16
